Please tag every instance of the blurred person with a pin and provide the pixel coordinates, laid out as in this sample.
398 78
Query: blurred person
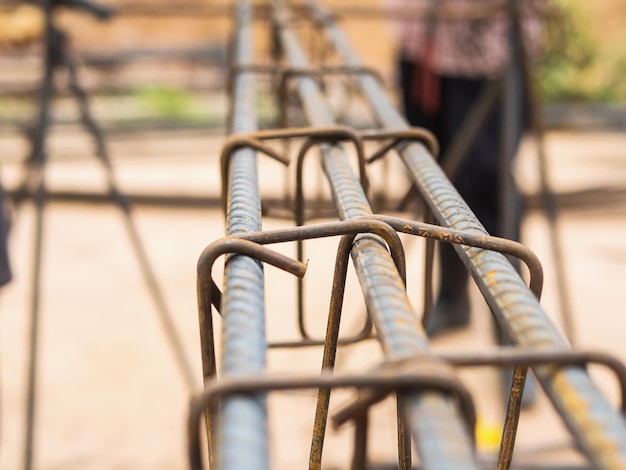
446 59
444 66
5 225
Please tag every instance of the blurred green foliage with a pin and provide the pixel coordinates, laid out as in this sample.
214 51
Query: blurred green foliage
578 65
167 102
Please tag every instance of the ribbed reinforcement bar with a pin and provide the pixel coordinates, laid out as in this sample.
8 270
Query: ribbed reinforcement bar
441 437
243 419
598 429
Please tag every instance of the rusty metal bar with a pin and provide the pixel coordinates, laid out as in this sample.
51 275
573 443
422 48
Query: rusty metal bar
548 198
428 414
599 431
417 373
243 423
486 242
510 356
350 229
331 229
369 224
206 294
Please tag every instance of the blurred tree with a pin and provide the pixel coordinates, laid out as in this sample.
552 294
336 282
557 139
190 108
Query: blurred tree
580 64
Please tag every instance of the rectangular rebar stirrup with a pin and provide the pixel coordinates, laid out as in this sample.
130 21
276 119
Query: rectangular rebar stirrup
431 416
243 422
598 429
423 372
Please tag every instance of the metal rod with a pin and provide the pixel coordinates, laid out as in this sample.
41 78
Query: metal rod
548 198
330 350
429 264
429 414
509 212
514 407
330 136
330 229
205 290
35 178
243 432
500 245
334 318
414 374
599 431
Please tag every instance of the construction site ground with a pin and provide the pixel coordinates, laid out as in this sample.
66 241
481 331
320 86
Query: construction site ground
110 396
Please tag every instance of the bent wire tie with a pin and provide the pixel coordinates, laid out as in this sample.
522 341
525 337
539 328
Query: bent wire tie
332 331
318 74
392 377
506 246
349 228
398 139
434 232
330 135
314 136
487 242
205 283
386 229
284 74
423 372
255 140
521 359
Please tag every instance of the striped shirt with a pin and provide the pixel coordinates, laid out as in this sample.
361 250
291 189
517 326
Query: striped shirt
469 38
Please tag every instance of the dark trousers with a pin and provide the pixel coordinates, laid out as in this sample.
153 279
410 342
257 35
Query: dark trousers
477 180
5 223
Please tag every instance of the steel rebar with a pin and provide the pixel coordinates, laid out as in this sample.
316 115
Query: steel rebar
599 431
443 441
243 423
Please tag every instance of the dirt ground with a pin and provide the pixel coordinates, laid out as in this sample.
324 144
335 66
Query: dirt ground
110 395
